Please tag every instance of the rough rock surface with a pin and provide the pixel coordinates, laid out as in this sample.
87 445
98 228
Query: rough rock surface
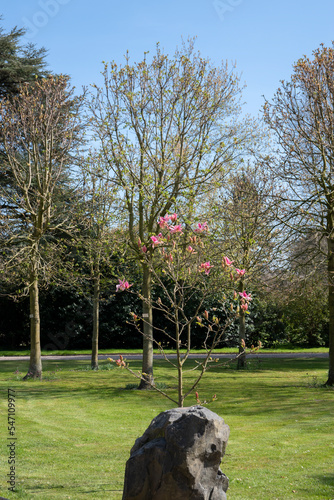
178 458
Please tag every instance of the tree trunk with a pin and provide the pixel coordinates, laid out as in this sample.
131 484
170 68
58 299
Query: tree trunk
179 361
180 384
96 324
147 370
242 332
35 365
330 380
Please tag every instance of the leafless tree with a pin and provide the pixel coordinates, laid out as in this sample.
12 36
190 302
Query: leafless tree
301 115
245 217
39 133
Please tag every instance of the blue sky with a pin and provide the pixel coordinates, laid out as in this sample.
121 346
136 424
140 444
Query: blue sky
263 37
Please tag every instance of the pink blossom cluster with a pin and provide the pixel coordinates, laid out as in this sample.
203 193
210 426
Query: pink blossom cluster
201 228
227 262
163 221
245 299
119 362
205 266
176 229
122 285
156 240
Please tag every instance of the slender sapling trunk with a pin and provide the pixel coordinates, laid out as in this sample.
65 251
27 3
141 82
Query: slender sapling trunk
147 369
96 324
242 331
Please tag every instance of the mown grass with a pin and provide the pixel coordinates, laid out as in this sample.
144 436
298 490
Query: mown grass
226 350
75 428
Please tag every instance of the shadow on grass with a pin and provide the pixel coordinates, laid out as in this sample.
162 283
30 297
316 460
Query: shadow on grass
273 364
273 394
253 365
327 479
74 490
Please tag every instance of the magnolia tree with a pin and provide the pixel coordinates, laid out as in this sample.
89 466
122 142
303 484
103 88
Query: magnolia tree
169 129
177 259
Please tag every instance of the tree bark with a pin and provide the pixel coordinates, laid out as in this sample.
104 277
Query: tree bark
96 324
35 364
179 361
330 380
147 369
242 332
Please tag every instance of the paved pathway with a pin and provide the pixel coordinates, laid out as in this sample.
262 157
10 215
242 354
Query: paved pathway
159 356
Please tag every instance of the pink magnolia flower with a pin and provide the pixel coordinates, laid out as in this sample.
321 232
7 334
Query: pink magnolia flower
144 248
190 249
245 296
227 261
176 229
120 361
244 306
201 227
156 239
122 285
240 272
163 221
205 266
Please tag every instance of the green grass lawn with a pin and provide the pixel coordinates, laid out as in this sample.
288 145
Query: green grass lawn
75 428
226 350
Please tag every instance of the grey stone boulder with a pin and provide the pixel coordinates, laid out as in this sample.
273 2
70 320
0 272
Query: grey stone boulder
178 458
